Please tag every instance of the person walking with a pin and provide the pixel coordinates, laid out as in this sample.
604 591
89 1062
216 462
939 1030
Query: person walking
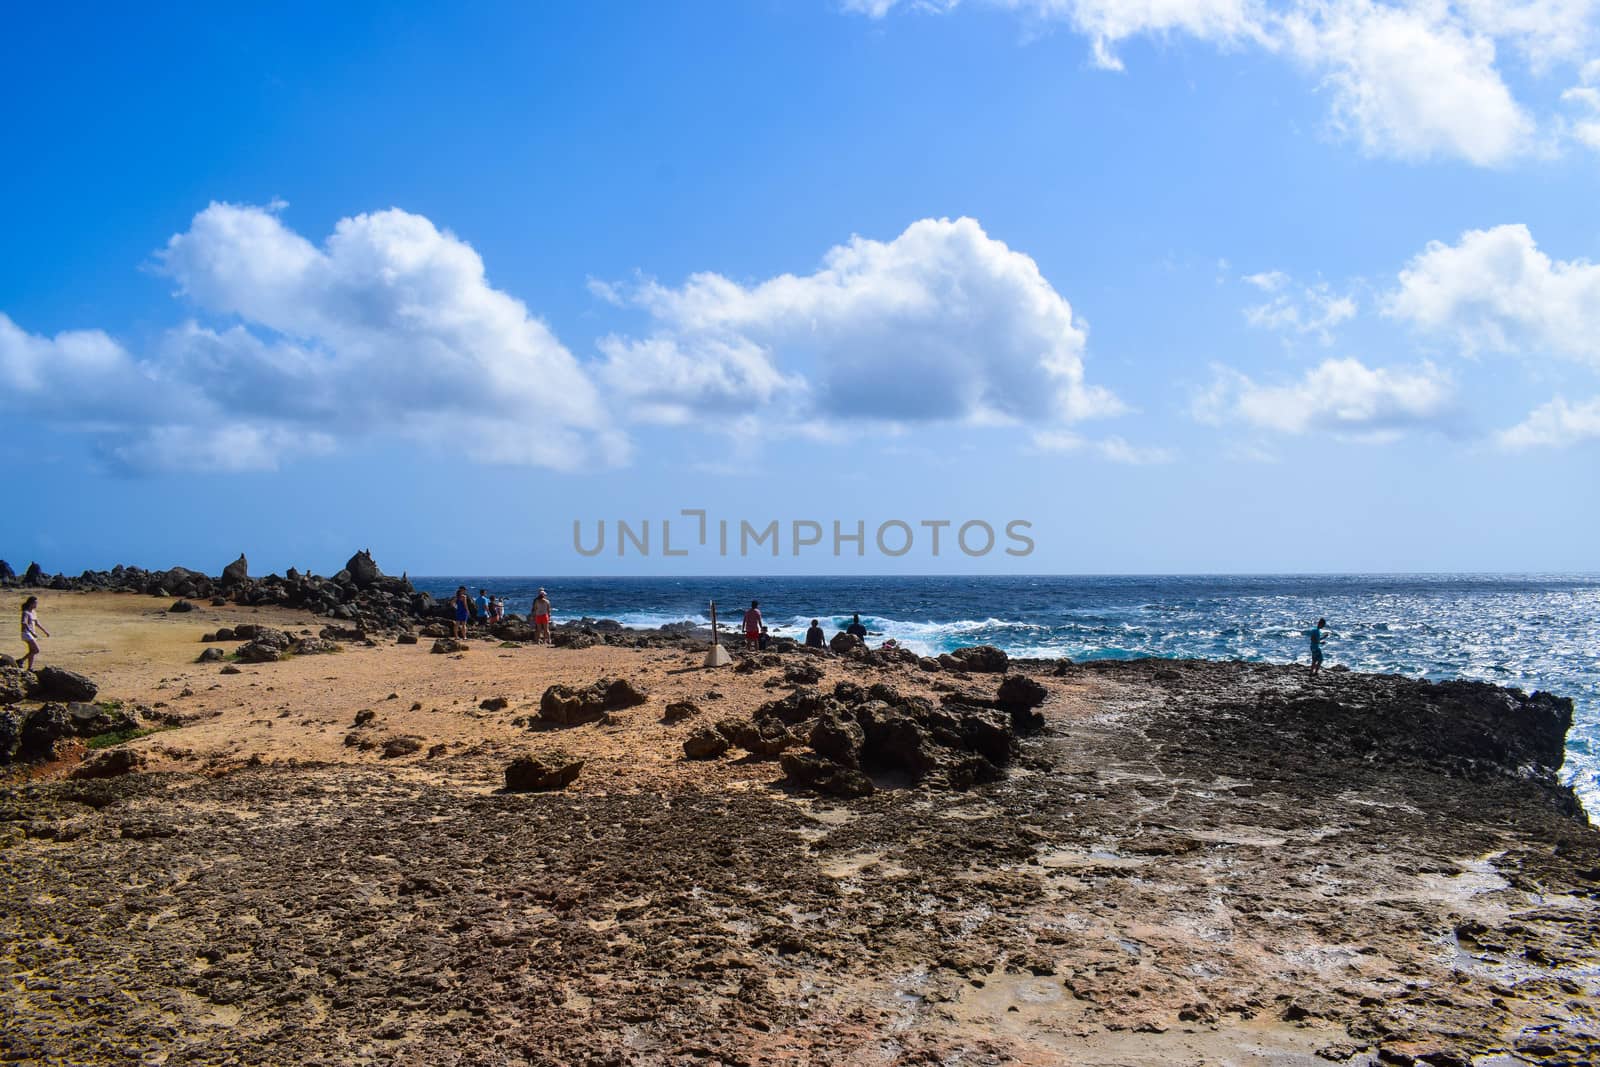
463 612
541 618
752 625
1316 636
30 623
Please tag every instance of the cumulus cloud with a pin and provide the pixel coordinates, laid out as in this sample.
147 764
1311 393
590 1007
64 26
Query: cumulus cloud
1313 309
1495 291
389 327
1412 79
942 323
1342 396
1555 425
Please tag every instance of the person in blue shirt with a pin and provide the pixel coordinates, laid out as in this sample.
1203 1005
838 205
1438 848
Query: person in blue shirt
483 604
1316 636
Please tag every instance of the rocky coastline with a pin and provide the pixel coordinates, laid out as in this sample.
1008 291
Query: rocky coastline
358 851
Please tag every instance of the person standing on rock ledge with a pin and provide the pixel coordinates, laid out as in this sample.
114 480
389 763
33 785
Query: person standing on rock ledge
1316 637
541 618
752 625
30 619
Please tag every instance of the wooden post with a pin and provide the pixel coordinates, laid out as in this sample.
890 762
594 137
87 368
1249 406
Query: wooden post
716 655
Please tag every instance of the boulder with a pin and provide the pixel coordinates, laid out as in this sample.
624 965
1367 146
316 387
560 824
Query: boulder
1018 696
314 646
705 742
568 705
807 672
807 770
679 710
226 634
542 773
978 659
43 730
10 734
181 606
237 573
843 643
364 716
447 645
211 655
362 570
111 763
34 575
258 652
838 739
763 738
16 684
495 704
54 683
395 747
406 639
6 573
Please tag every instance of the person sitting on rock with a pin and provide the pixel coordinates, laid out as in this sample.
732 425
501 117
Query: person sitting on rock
855 629
752 625
765 639
30 622
541 618
815 637
463 612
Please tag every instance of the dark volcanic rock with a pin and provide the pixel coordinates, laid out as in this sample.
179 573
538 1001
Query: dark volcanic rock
181 606
10 734
236 573
110 764
54 683
211 655
447 645
843 643
838 739
979 659
807 770
395 747
42 730
362 570
567 705
258 652
314 646
679 710
542 773
705 742
495 704
16 684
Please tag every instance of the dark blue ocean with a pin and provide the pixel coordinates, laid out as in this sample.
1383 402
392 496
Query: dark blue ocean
1533 631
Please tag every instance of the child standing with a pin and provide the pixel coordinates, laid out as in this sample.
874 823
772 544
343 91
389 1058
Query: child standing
30 622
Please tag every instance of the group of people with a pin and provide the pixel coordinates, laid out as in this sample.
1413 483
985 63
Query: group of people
492 609
757 637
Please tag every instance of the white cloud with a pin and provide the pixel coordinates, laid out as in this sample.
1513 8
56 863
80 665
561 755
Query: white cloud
1495 291
1556 424
389 327
943 323
1313 309
1411 79
1112 449
1342 396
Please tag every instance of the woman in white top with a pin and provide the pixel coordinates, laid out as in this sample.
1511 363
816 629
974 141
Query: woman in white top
30 622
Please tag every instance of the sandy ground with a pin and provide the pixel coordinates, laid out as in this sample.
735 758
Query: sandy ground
1137 891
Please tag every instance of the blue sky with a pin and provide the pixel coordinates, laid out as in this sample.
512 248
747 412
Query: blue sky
1207 285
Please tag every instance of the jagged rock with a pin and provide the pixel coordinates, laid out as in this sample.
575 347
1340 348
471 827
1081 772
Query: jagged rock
843 643
838 739
1018 692
806 770
929 664
258 652
978 659
314 646
763 738
43 730
54 683
447 645
237 572
513 630
395 747
797 707
364 716
16 684
34 575
495 704
111 763
679 710
406 639
362 570
569 705
263 635
5 571
541 773
804 673
10 734
225 634
705 742
180 606
211 655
